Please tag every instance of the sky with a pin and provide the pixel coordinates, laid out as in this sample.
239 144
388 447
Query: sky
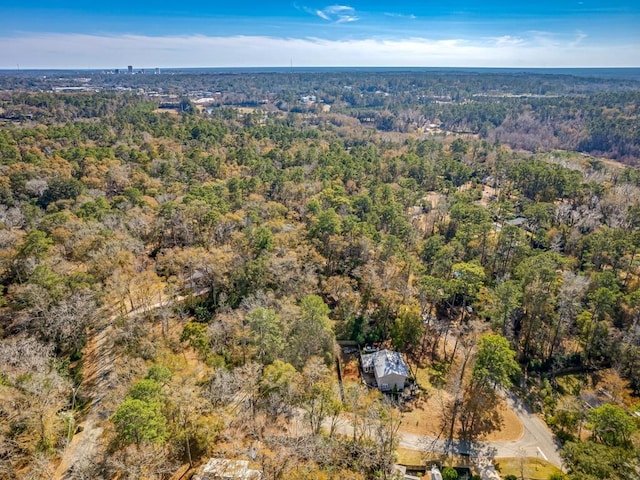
81 34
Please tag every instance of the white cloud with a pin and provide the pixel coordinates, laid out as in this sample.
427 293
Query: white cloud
580 36
347 18
337 14
105 51
337 9
508 40
410 16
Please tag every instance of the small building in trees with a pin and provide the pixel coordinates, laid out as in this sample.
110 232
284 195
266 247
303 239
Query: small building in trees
388 368
224 469
435 473
517 222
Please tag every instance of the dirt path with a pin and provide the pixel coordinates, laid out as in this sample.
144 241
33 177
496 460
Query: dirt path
98 362
537 440
98 380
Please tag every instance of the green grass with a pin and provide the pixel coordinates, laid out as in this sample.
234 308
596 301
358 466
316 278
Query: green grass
409 457
423 378
532 468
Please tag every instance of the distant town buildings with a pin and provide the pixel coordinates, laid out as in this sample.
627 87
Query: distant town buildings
130 69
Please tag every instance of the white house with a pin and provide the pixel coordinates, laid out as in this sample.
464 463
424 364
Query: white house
388 367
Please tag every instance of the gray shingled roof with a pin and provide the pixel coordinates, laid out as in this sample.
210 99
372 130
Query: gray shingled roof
367 360
386 362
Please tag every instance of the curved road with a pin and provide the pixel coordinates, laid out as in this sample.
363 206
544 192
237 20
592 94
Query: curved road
537 442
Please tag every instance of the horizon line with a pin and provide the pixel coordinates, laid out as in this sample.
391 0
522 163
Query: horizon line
150 69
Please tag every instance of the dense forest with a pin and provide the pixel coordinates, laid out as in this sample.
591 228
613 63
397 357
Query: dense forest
535 112
219 253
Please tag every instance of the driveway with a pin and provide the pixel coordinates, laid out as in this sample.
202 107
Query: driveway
536 442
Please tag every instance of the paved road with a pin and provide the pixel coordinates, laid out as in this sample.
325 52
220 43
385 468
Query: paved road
536 442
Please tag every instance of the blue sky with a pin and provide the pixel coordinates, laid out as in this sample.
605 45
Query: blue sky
198 33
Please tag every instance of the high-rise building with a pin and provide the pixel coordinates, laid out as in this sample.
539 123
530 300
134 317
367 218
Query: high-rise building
130 69
157 72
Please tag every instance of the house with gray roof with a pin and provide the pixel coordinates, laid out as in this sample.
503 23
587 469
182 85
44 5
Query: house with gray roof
388 368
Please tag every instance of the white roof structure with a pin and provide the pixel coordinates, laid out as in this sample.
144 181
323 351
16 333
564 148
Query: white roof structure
385 362
224 469
435 473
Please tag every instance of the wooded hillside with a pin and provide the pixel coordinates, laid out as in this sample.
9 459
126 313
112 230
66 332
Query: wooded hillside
226 252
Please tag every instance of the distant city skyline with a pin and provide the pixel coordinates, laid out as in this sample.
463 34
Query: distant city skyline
456 33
